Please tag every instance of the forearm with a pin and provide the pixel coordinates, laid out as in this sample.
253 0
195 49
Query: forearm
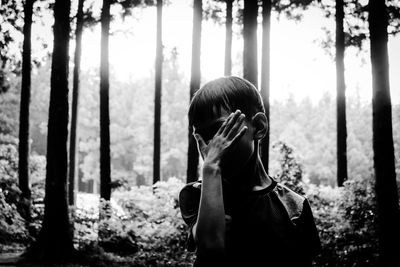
209 230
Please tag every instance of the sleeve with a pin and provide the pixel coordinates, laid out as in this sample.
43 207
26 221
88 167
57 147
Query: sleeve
308 232
189 200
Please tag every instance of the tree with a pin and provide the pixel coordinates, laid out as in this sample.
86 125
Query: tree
105 165
193 154
357 27
228 38
10 13
221 12
174 144
265 74
75 104
385 175
157 99
11 32
23 147
250 69
55 240
105 158
291 10
340 97
354 33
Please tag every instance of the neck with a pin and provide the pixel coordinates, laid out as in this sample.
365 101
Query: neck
256 178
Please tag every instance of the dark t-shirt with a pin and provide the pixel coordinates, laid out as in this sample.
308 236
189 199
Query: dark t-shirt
270 227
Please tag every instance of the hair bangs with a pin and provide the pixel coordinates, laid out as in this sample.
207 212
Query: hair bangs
226 93
207 105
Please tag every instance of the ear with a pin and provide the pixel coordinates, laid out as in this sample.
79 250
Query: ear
260 123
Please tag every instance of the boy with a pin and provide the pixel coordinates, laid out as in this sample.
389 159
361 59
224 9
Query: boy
237 214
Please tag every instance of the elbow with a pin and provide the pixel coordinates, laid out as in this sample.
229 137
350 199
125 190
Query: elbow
211 246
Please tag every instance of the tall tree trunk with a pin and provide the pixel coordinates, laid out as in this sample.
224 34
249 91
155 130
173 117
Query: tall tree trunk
157 99
265 75
340 97
193 154
228 39
73 166
55 241
105 168
250 70
386 187
23 147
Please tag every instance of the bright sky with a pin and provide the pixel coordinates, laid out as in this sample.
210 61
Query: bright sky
299 66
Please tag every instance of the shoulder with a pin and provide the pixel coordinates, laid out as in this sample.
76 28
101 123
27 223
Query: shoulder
189 200
292 201
190 193
190 188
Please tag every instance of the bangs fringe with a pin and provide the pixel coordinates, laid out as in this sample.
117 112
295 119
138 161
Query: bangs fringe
227 93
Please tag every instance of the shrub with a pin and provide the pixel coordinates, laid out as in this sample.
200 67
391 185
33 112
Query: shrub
346 221
13 226
153 215
144 225
291 171
149 231
345 217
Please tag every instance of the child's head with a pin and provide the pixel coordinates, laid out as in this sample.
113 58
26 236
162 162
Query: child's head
224 94
212 104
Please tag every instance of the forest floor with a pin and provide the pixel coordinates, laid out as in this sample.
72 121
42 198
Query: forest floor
10 258
10 254
14 258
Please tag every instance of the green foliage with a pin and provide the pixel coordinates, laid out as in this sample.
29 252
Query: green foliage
12 225
11 38
311 129
161 232
10 30
149 231
85 226
18 231
292 9
290 169
346 220
131 112
355 21
345 217
8 164
215 10
9 104
396 142
155 218
144 225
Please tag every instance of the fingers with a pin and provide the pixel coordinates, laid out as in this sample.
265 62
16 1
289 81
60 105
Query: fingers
223 126
200 142
238 136
231 122
237 125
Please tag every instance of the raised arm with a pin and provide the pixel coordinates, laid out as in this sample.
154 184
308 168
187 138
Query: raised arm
209 229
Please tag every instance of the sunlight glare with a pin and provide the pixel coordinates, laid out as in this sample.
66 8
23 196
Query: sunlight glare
299 65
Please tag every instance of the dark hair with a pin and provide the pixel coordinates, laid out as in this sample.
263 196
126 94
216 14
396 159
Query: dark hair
226 93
